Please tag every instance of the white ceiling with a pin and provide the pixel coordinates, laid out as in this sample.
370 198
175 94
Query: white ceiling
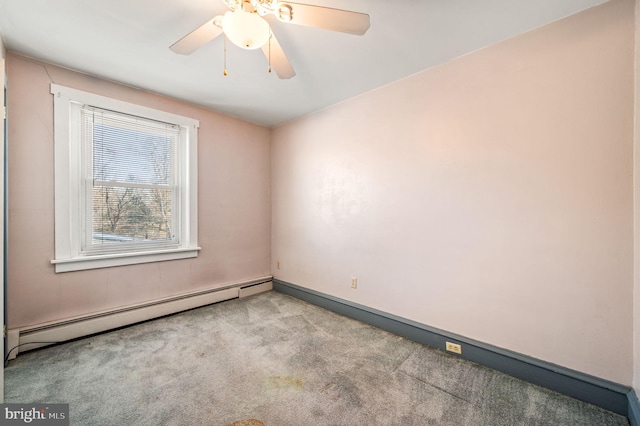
128 41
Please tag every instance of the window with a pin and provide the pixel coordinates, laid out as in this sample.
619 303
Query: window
130 189
125 183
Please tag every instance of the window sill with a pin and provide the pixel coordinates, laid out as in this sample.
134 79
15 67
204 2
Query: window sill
121 259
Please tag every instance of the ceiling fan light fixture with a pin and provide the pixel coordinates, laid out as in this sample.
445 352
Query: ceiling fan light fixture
246 29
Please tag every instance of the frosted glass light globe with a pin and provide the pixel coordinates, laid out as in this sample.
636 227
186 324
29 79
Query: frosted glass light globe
245 29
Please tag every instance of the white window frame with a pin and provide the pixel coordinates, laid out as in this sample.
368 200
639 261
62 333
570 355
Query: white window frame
68 183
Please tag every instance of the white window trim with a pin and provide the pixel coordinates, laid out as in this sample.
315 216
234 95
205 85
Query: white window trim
68 178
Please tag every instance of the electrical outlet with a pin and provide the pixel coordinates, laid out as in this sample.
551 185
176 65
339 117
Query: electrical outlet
453 347
354 282
278 264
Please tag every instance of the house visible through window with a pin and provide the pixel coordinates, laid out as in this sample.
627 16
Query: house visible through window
126 183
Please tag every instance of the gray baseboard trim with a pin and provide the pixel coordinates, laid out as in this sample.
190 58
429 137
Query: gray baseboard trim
602 393
634 408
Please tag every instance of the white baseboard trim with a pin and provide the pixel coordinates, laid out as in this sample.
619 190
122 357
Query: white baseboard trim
254 289
22 339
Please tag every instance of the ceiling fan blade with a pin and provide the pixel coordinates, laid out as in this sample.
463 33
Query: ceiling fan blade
279 61
326 18
197 38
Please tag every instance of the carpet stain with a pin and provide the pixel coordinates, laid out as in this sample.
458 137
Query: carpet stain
285 382
248 422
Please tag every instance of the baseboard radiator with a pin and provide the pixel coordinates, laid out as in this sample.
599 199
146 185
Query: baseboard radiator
23 339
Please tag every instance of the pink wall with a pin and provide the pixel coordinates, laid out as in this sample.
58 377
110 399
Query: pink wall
636 216
234 206
491 196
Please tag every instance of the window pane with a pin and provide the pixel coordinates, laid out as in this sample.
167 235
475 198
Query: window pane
126 215
131 156
131 191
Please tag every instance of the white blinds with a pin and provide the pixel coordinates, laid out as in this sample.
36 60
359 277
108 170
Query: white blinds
130 192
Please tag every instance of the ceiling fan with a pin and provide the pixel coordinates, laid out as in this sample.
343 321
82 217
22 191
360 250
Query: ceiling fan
245 27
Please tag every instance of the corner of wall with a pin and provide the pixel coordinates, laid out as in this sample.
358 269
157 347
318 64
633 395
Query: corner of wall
3 50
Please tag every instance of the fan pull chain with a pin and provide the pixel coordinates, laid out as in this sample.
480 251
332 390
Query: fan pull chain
269 69
225 54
